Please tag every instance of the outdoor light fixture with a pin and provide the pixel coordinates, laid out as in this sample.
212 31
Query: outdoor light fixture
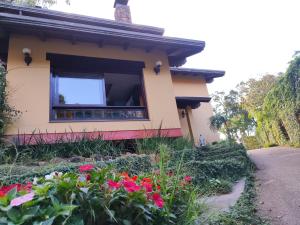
156 69
27 57
182 114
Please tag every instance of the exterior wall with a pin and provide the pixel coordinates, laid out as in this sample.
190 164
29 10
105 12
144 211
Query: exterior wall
185 86
29 87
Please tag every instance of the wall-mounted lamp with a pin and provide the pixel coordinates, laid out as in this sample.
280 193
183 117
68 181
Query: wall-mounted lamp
27 57
182 113
156 69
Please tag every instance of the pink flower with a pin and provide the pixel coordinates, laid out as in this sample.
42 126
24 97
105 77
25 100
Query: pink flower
85 168
188 178
147 186
131 186
21 200
157 199
113 184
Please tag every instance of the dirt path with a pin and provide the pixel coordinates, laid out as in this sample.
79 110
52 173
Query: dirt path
278 184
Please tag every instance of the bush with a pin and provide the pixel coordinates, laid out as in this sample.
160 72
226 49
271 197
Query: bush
244 211
133 164
75 146
270 145
100 196
7 112
251 142
227 169
152 145
216 186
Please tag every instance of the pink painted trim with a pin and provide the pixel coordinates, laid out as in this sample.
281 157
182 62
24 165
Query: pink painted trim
51 138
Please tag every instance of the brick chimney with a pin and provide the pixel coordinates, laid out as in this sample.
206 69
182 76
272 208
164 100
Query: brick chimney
122 11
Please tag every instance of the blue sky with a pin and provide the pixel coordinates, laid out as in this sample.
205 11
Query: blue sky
247 38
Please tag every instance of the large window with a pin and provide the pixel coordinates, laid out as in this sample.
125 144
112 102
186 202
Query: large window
80 96
76 89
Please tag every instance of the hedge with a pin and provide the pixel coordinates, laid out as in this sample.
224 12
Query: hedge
133 164
227 169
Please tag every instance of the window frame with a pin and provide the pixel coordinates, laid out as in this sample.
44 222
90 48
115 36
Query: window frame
54 106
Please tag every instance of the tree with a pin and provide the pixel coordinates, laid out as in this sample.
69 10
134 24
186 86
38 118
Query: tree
229 117
253 92
43 3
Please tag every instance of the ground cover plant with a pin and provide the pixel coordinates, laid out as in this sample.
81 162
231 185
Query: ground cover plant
244 212
93 195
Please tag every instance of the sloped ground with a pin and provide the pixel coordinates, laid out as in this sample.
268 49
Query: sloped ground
278 184
222 203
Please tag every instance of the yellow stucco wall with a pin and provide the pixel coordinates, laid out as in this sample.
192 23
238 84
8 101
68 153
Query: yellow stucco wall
194 87
29 87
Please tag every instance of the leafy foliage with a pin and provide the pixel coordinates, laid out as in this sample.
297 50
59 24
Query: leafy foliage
102 196
7 112
133 164
280 109
229 117
43 3
251 142
244 211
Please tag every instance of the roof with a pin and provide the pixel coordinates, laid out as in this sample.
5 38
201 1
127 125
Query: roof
193 102
209 75
49 23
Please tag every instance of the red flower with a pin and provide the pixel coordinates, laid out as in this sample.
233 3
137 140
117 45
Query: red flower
6 189
2 194
157 199
146 179
131 186
113 184
85 168
188 178
88 177
158 187
124 175
147 186
135 178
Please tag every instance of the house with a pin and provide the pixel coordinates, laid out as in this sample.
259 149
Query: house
79 75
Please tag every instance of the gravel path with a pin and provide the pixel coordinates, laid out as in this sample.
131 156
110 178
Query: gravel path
278 184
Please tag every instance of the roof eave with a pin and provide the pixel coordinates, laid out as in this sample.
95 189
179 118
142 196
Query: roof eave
177 49
76 18
208 75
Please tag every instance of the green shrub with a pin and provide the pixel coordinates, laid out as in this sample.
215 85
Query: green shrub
152 145
95 197
74 146
251 142
133 164
216 186
104 196
270 145
227 169
244 211
7 112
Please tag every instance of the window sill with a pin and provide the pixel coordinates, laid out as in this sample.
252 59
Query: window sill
94 121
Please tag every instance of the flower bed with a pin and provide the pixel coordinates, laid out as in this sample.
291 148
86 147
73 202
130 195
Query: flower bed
99 196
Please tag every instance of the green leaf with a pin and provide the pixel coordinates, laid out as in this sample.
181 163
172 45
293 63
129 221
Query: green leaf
46 222
12 194
75 220
126 222
14 215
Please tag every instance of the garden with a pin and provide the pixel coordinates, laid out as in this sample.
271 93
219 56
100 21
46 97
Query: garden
156 181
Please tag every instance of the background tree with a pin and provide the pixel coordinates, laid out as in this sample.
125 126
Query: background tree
43 3
229 117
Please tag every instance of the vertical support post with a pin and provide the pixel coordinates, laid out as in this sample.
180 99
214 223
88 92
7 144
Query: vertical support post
189 124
